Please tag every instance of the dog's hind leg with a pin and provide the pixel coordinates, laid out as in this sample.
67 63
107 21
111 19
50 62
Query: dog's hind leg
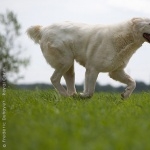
121 76
61 60
69 77
56 77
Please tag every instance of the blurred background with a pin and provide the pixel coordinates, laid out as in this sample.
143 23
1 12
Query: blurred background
39 12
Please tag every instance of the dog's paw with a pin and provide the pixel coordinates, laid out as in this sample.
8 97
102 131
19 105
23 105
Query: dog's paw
125 95
85 96
75 95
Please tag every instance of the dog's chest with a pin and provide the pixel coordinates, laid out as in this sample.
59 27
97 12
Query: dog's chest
124 46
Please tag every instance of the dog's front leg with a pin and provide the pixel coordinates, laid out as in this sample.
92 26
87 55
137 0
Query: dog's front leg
89 85
121 76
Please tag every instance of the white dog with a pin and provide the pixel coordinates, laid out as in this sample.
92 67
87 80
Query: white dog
99 48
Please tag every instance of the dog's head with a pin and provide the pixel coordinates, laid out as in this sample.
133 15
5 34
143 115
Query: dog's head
142 28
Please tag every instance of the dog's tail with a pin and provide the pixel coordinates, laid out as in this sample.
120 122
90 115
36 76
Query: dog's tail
34 33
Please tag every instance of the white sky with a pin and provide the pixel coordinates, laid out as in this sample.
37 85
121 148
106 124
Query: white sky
45 12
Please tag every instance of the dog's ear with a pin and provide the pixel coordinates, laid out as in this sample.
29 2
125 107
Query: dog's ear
138 24
136 20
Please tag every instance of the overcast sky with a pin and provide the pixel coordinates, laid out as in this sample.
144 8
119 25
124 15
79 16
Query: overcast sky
45 12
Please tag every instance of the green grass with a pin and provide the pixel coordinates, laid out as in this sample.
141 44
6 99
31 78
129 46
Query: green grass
43 120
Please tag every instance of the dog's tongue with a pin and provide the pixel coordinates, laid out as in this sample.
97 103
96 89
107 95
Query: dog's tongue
147 36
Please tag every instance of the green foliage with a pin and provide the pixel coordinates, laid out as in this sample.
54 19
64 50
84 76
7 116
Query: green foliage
10 50
43 120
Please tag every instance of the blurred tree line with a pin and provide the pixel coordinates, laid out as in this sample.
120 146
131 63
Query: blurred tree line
140 86
10 49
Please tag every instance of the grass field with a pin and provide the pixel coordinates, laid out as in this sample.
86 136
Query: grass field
43 120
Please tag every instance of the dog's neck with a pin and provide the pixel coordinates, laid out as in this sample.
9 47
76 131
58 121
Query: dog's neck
122 40
125 46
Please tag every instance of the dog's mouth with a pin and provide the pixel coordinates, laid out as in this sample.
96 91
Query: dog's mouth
147 36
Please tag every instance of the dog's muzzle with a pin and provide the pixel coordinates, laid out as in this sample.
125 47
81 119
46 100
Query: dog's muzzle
147 36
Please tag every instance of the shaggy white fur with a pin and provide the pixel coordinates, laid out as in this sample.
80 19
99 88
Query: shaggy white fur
99 48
